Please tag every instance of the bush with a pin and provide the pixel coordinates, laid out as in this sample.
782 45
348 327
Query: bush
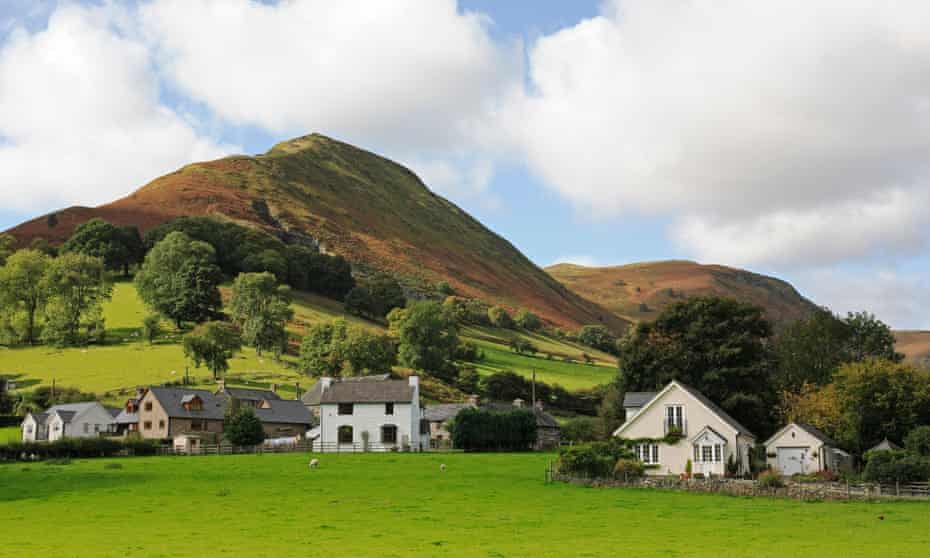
72 448
480 430
499 317
770 479
917 441
896 466
468 351
629 469
243 428
596 459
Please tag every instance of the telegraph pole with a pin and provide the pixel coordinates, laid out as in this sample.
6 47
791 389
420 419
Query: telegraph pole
533 401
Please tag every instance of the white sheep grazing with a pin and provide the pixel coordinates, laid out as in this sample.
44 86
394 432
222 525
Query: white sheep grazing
442 468
314 463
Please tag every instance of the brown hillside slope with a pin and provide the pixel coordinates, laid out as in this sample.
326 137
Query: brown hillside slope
915 345
640 291
374 212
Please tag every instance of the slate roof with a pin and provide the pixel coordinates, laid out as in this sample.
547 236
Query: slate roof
67 410
247 394
126 418
638 398
383 391
443 412
312 397
885 444
817 433
720 412
40 418
170 400
114 411
66 416
287 411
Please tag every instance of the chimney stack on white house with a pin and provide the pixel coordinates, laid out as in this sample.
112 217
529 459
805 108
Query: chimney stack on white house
326 382
414 381
518 403
274 388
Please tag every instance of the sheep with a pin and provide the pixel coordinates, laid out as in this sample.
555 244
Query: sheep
314 463
442 468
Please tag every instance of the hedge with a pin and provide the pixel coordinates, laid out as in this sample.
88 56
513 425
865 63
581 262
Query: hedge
76 447
481 430
896 466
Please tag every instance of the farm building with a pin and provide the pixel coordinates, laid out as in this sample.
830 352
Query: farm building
801 448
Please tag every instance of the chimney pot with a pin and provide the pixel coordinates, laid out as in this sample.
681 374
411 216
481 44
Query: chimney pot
518 403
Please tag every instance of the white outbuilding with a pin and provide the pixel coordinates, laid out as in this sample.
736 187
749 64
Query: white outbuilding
800 448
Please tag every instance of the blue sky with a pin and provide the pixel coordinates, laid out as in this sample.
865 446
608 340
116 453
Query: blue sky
600 133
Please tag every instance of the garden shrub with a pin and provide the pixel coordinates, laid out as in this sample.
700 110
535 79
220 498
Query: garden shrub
597 459
918 441
629 469
770 479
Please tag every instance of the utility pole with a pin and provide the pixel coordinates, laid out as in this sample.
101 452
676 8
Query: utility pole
52 396
533 401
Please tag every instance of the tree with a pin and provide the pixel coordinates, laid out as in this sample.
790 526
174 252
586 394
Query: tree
880 399
581 429
243 428
151 327
180 280
719 346
118 247
386 294
368 352
813 404
261 309
212 344
358 302
610 413
443 289
322 349
917 441
75 286
869 337
520 346
527 320
427 338
40 244
499 317
7 247
507 386
598 337
266 261
811 349
22 291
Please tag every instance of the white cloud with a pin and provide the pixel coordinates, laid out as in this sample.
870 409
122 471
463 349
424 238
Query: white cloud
899 299
464 179
770 131
80 117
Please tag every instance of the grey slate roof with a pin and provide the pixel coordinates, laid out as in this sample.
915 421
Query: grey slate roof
885 444
287 411
638 398
443 412
67 410
66 416
312 397
126 418
720 412
248 394
817 433
40 418
170 400
383 391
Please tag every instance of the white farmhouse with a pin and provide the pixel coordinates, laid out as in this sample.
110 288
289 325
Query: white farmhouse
706 434
70 420
368 414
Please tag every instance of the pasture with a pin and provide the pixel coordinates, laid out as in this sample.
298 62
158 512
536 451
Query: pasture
402 505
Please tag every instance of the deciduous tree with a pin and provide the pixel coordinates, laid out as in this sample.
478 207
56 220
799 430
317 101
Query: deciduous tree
261 309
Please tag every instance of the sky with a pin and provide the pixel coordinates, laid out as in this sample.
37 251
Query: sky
790 138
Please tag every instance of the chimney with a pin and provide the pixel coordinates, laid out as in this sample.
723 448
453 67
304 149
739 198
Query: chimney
297 390
140 392
221 384
518 403
274 388
326 382
414 381
474 400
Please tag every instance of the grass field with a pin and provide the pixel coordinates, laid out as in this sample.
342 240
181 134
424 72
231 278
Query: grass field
10 434
401 505
125 361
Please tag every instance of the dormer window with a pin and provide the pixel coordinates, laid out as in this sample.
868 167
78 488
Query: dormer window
265 404
192 403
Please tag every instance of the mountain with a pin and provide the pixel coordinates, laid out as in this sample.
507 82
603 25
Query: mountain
640 291
915 345
376 213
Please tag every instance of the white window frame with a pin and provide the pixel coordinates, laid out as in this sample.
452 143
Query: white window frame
675 419
647 453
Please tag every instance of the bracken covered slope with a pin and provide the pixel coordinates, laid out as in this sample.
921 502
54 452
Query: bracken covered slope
374 212
640 291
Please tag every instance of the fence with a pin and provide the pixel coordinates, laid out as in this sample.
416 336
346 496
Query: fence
227 449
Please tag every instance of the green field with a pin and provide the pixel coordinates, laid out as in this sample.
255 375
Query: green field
112 369
10 434
402 505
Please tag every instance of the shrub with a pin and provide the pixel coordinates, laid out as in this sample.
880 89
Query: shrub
689 467
628 469
73 448
243 428
896 466
468 351
499 317
596 459
480 430
770 479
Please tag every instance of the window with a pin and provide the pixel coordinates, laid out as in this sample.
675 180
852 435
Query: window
345 434
647 453
674 420
147 425
86 428
707 454
96 428
28 429
196 425
718 453
388 434
345 408
148 406
389 408
161 425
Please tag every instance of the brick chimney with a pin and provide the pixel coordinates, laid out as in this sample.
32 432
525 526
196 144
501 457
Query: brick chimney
518 403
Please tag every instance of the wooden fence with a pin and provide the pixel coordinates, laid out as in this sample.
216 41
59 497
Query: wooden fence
227 449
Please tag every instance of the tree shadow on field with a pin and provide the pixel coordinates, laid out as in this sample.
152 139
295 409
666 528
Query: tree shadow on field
41 480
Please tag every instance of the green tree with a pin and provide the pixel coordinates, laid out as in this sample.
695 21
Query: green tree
598 337
720 346
75 287
386 294
22 291
358 302
581 429
917 441
499 317
869 337
261 309
427 338
811 349
610 412
369 352
243 428
40 244
322 351
212 344
7 247
151 327
879 399
527 320
118 247
180 280
266 261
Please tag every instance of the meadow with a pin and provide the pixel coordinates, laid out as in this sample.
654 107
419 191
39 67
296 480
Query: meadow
111 370
402 505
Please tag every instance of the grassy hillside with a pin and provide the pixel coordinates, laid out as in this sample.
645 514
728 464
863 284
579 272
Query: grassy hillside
400 505
640 291
373 211
124 362
915 345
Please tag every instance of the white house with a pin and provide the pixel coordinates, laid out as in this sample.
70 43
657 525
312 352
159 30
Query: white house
70 420
707 435
801 448
368 414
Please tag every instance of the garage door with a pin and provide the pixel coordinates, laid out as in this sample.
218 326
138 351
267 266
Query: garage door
792 461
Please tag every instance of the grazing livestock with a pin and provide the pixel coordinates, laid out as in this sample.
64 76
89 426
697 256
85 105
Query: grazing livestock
442 468
314 463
